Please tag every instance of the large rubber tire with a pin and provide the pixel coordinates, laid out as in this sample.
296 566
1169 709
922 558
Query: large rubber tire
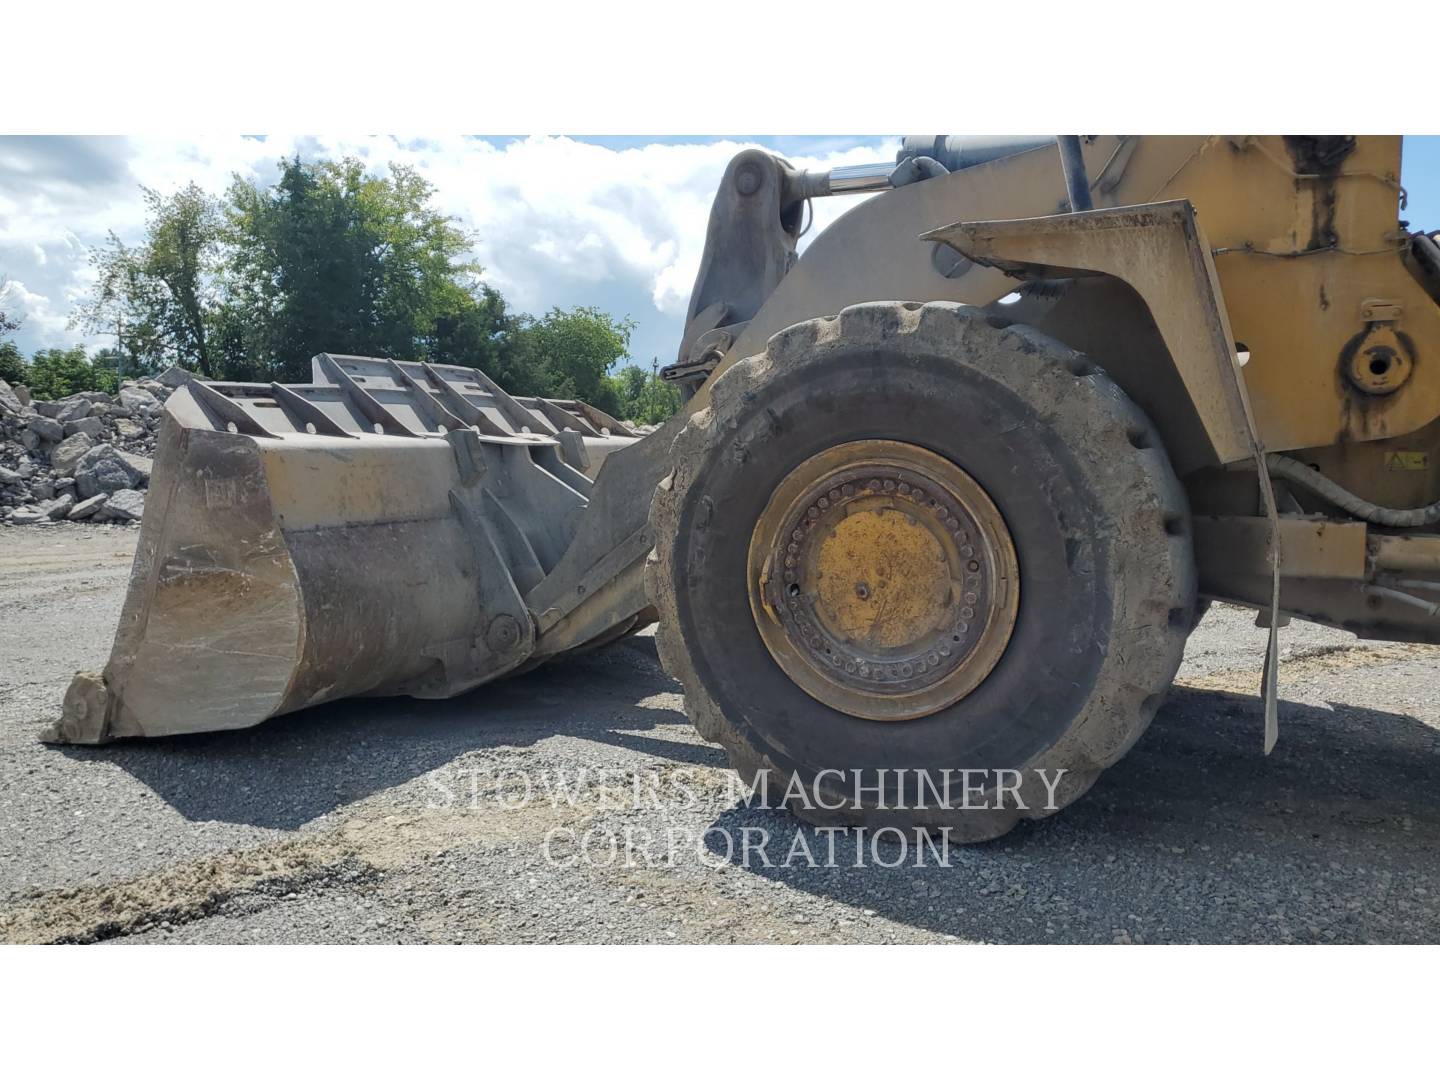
1099 522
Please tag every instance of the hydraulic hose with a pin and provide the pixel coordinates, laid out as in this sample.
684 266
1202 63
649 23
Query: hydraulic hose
1301 475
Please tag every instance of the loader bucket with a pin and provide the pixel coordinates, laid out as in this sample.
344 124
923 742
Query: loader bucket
373 532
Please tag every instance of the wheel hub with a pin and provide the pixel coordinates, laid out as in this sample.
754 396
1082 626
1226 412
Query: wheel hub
883 580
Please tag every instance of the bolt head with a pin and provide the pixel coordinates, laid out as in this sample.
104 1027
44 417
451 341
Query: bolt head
503 634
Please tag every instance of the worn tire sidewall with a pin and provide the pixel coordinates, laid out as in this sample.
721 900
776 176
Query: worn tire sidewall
1044 493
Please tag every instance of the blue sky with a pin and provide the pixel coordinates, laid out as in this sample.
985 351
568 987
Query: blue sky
1420 176
615 222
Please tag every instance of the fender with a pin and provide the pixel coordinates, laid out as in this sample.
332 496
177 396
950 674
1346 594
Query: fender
1159 252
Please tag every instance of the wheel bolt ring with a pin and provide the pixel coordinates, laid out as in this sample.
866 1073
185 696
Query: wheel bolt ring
900 585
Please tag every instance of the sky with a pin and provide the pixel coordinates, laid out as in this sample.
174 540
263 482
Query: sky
558 221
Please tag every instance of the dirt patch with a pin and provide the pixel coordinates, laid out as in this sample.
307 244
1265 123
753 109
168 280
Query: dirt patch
1322 660
178 895
360 849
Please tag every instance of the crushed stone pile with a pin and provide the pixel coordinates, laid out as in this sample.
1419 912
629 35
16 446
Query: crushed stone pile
85 457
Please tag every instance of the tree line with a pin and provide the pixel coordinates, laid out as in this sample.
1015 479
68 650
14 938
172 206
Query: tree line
249 285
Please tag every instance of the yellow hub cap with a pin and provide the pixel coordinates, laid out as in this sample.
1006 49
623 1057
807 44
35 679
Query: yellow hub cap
883 580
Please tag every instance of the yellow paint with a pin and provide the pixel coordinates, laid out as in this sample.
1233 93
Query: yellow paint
1292 299
851 586
882 578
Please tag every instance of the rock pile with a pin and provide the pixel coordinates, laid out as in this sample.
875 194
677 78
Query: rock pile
85 457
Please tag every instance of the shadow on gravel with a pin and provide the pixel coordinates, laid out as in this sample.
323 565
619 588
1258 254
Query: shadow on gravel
295 768
1194 836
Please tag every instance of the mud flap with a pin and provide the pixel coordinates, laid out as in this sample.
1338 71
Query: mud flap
1269 679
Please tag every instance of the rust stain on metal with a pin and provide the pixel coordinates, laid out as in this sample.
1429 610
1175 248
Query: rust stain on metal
1317 161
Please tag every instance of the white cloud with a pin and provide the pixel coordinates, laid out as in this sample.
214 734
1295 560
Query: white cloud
557 222
38 314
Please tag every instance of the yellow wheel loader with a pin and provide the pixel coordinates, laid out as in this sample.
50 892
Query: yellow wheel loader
943 501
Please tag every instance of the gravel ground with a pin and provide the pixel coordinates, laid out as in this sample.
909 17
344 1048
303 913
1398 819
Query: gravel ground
399 820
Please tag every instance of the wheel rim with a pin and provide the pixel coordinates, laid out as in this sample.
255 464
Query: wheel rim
883 580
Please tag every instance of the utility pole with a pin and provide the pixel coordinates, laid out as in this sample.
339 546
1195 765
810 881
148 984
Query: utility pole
119 349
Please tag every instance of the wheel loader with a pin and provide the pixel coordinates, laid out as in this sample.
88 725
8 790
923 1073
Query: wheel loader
945 498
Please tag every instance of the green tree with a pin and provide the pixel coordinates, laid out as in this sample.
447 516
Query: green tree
56 373
111 364
474 330
12 364
566 354
160 299
333 259
643 396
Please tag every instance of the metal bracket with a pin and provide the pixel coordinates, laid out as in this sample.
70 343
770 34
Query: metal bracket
1160 252
633 547
1373 311
509 637
707 352
749 246
223 412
